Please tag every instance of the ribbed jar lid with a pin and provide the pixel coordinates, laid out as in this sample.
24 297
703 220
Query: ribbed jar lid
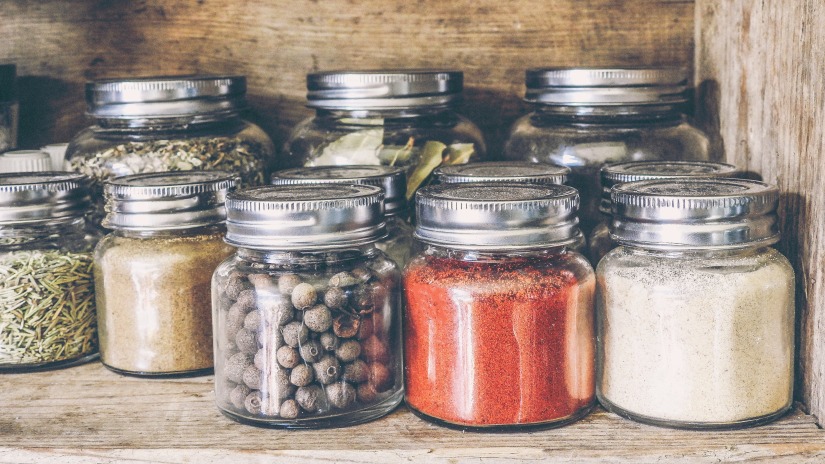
502 216
8 82
42 197
165 97
613 174
392 179
502 171
25 161
167 200
672 214
384 89
305 217
606 86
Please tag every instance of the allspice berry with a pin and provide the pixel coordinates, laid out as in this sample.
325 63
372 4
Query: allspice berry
252 377
380 377
335 298
367 328
235 366
246 341
259 360
238 395
295 333
234 321
311 351
287 283
329 341
341 395
366 393
246 300
290 409
318 318
252 322
362 274
304 296
308 398
327 370
280 385
343 279
252 403
302 375
235 283
375 349
288 357
276 310
348 351
346 326
356 371
263 283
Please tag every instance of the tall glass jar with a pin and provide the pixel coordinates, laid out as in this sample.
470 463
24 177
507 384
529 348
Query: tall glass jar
599 242
47 305
306 313
153 272
584 118
398 241
695 310
9 107
158 124
404 118
498 330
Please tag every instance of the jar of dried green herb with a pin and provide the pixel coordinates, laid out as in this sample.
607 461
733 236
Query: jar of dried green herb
47 305
153 272
160 124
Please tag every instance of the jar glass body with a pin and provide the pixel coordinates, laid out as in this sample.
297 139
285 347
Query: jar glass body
399 240
153 293
599 243
47 306
499 339
307 339
696 339
9 119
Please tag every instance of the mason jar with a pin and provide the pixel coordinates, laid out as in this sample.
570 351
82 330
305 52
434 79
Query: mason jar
599 242
9 107
398 241
584 118
404 118
498 328
157 124
306 313
153 272
695 309
47 304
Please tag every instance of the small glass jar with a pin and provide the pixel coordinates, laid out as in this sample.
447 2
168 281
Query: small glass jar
9 107
306 313
404 118
398 241
585 118
158 124
695 309
25 161
153 272
498 330
47 305
599 242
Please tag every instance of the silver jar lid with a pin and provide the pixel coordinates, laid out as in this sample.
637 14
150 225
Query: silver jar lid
42 197
673 214
305 217
503 216
619 173
606 86
392 179
389 89
502 171
165 97
167 200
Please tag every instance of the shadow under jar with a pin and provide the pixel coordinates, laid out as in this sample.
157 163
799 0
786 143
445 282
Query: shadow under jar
498 330
695 311
306 313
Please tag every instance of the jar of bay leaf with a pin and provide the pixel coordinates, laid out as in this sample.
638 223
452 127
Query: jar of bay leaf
153 272
47 305
403 118
584 118
157 124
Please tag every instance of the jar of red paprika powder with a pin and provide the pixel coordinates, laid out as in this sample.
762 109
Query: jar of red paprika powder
499 323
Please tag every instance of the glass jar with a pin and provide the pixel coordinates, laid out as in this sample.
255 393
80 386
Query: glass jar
306 313
498 329
398 241
695 310
153 272
599 242
585 118
402 118
47 306
9 107
158 124
25 161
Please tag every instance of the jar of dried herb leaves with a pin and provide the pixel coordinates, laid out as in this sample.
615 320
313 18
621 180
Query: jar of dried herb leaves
153 272
403 118
160 124
47 305
306 314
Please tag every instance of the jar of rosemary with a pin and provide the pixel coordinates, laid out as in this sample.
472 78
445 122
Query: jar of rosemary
47 305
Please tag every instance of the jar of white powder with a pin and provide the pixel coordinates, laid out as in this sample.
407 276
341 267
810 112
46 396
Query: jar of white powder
695 309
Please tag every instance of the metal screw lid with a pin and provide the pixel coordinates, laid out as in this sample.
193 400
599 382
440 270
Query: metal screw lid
392 179
502 171
673 214
165 97
25 161
167 200
42 197
613 174
384 89
8 82
606 86
305 217
502 216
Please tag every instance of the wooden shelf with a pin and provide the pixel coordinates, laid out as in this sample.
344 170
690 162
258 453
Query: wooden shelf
88 414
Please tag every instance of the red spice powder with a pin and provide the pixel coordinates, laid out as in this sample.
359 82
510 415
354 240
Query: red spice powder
503 342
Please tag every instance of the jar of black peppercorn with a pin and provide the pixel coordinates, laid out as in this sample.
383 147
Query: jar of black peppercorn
306 313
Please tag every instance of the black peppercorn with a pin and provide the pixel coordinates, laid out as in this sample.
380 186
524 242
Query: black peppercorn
341 395
288 282
343 279
252 377
348 351
253 403
318 318
302 375
246 341
290 409
288 357
238 395
311 351
252 321
328 341
327 370
335 298
308 398
356 372
304 296
295 333
235 366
